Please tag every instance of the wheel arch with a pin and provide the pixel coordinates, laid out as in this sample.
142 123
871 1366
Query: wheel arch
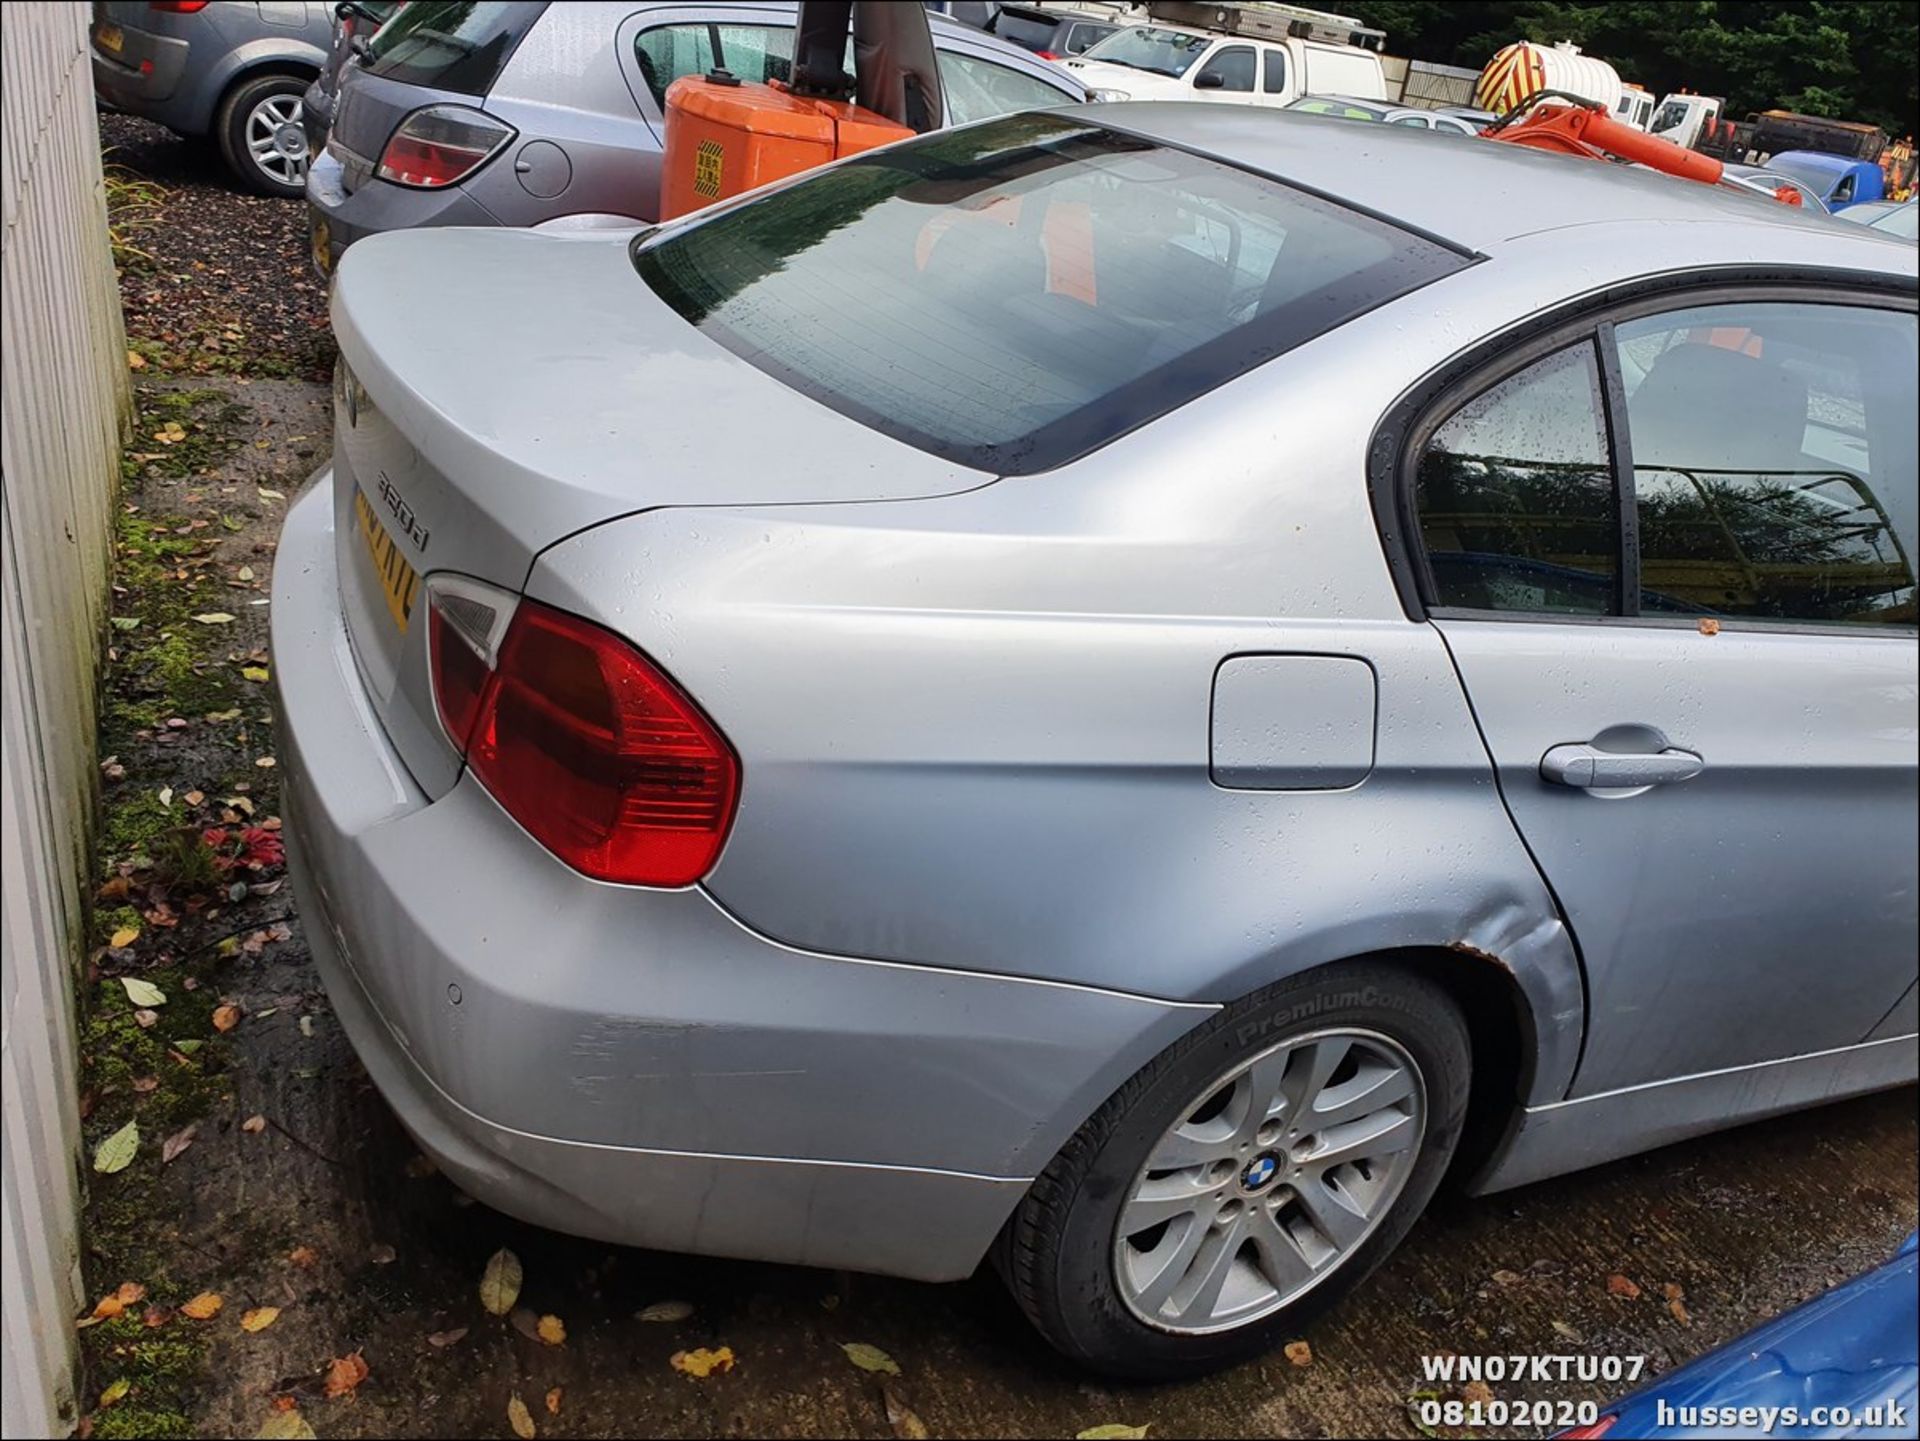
257 58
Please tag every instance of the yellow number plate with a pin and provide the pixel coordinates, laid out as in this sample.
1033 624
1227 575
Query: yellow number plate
398 579
110 37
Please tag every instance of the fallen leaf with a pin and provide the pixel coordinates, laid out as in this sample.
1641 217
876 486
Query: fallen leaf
1678 1309
204 1307
500 1282
703 1362
1568 1333
285 1403
187 1047
1618 1285
1112 1431
1298 1352
664 1311
1709 626
552 1330
136 361
171 1148
214 617
345 1374
287 1425
116 1392
442 1339
143 1084
1477 1393
520 1418
265 762
259 1318
156 1316
193 798
1673 1291
146 1019
257 673
306 1025
870 1358
125 936
553 1401
906 1425
225 1018
254 1125
1507 1278
143 993
382 1255
116 1153
303 1257
246 572
266 494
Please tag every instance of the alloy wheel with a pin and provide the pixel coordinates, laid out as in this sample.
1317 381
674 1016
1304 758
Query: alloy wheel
275 140
1269 1180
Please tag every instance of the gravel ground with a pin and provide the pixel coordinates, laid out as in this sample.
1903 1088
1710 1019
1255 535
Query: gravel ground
299 1195
223 284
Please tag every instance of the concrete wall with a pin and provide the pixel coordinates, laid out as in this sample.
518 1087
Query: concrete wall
63 396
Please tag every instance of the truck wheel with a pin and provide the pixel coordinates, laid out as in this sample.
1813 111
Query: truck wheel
1247 1177
260 135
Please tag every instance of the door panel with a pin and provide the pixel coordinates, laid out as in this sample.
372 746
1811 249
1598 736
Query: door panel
1763 908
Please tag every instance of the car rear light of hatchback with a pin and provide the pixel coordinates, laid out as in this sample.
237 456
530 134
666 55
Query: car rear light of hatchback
177 7
441 145
581 739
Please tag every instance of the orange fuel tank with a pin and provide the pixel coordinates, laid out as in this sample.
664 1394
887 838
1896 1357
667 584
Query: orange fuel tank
724 137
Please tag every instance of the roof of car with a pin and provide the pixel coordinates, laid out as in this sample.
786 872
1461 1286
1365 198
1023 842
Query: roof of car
1820 160
1474 196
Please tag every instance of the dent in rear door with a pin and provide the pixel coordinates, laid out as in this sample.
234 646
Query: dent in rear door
1761 903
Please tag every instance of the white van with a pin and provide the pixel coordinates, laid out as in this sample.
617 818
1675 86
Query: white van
1173 62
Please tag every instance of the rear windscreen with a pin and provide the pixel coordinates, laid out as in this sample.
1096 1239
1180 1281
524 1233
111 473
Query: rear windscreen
1017 293
1031 28
459 45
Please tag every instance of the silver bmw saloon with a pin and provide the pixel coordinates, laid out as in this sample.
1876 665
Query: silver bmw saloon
1120 691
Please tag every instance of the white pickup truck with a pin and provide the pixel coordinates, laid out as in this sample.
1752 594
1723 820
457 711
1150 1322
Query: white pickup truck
1173 62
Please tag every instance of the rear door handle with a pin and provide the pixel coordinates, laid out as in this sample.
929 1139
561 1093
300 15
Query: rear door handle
1589 768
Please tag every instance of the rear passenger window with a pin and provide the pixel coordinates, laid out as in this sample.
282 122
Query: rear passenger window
1274 72
1234 65
754 53
1774 460
1515 495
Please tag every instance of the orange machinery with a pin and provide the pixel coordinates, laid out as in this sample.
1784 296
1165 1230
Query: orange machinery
725 135
1579 127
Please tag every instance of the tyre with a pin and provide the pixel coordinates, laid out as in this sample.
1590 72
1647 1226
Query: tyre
1247 1177
260 135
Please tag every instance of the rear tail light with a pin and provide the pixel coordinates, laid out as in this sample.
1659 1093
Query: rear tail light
1046 55
177 7
581 739
441 145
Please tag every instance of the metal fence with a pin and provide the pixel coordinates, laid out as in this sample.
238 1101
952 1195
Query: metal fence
63 403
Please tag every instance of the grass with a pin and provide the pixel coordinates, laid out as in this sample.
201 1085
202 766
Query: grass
133 209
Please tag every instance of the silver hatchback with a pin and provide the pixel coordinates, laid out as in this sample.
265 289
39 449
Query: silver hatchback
1112 690
515 113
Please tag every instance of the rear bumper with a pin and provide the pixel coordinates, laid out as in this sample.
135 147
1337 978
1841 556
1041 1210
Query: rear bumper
635 1065
143 77
378 206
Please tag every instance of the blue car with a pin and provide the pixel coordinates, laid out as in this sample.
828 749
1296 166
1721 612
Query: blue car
1838 180
1845 1364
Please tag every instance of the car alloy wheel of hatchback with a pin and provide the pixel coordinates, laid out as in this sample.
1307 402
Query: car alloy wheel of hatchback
276 142
1271 1179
